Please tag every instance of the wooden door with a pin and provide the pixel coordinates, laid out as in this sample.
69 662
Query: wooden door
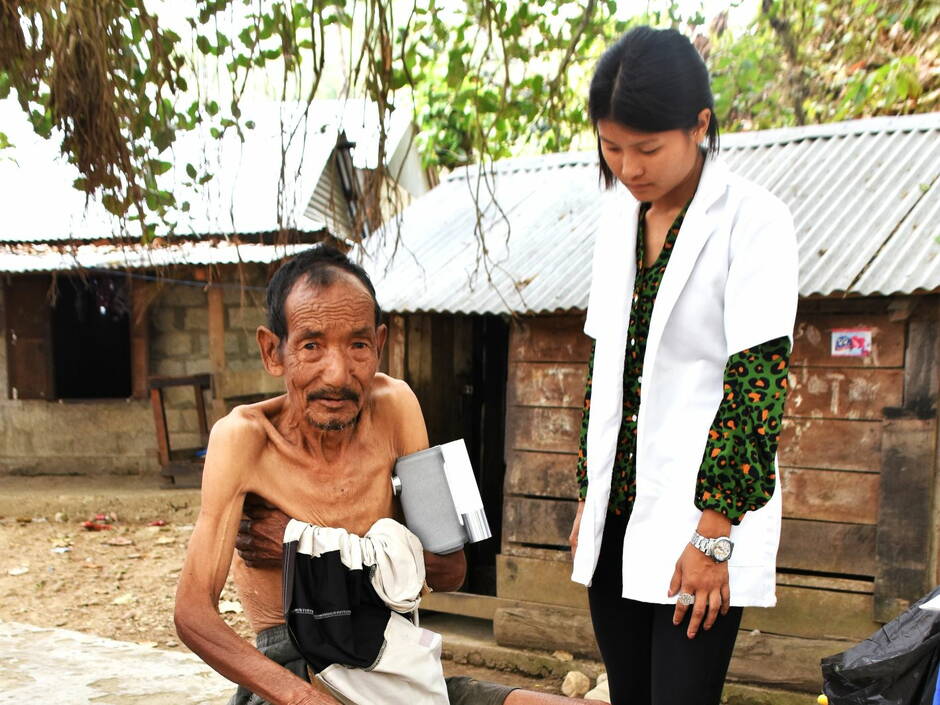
29 337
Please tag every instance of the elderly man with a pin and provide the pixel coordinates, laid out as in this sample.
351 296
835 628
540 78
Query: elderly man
323 454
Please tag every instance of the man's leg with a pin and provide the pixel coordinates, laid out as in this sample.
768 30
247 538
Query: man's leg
463 690
691 671
532 697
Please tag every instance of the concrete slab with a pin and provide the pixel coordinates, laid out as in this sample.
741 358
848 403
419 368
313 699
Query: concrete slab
39 665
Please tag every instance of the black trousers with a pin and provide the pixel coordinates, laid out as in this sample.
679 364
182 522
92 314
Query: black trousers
649 660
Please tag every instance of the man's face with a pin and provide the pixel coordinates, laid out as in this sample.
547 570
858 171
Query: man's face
332 350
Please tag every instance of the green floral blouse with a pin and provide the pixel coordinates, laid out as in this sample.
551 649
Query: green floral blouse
737 470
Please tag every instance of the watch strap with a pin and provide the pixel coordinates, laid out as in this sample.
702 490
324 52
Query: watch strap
701 543
707 545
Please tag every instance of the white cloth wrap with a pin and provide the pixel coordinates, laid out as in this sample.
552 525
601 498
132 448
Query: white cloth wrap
409 670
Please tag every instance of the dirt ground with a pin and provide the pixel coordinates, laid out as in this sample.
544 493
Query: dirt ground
119 582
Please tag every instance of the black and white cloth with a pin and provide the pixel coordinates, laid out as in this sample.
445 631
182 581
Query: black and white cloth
350 604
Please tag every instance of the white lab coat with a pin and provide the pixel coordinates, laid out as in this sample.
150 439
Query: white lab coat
731 283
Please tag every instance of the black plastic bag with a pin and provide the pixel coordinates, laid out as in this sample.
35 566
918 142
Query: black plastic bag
897 665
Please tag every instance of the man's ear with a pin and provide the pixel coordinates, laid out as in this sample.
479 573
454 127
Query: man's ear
270 346
381 336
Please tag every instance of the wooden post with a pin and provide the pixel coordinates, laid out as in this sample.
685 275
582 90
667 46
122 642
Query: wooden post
141 296
902 544
395 348
201 418
906 542
217 349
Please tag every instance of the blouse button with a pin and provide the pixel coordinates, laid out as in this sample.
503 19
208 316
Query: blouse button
634 417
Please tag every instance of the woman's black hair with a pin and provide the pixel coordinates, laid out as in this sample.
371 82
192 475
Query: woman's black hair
318 266
651 80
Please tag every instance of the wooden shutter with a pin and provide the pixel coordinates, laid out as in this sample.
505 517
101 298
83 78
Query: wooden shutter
29 337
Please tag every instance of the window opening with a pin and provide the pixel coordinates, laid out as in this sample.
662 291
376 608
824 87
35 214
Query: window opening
91 338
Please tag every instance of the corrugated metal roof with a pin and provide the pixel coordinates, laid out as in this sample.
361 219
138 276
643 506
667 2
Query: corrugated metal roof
23 258
864 194
535 249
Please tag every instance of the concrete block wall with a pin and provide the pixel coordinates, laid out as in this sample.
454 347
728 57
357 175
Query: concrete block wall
179 341
244 311
116 436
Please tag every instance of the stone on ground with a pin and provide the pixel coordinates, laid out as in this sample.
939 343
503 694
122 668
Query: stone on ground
576 684
601 691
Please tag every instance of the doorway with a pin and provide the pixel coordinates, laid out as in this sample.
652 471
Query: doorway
457 366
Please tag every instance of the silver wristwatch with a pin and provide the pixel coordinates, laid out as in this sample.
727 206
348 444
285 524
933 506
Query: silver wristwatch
718 549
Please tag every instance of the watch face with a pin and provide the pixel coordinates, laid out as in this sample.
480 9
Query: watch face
721 550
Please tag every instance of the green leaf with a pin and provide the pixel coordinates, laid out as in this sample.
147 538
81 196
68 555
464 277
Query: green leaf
112 205
163 138
160 167
191 171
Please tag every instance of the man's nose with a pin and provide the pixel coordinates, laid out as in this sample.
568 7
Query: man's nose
335 368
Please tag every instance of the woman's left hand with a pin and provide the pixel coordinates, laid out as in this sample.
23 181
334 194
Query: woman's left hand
699 575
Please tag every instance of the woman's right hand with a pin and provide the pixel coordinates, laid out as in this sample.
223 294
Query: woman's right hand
575 528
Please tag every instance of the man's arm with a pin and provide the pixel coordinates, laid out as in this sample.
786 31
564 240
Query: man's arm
232 444
443 573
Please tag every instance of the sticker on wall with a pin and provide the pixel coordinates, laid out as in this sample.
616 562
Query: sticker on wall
851 342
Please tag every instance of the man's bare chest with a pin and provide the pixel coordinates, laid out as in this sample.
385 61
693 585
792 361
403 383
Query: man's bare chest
350 493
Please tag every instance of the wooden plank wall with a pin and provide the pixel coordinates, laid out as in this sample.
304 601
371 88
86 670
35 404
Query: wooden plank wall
832 450
545 392
830 463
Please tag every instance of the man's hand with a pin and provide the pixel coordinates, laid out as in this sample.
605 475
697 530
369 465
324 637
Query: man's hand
445 573
260 533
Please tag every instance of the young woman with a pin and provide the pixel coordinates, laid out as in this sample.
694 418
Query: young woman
691 310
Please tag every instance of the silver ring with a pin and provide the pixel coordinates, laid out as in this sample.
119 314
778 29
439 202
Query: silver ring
685 598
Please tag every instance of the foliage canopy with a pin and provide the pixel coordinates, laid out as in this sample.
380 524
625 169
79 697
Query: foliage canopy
485 79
